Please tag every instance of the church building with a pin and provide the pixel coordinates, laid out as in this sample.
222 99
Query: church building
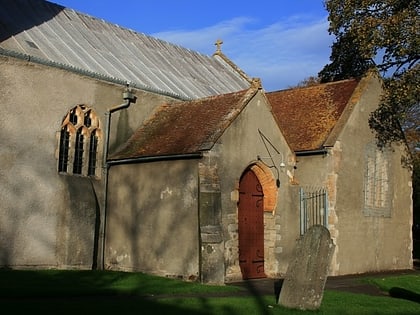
121 151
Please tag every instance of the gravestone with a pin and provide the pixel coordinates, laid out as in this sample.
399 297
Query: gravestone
303 285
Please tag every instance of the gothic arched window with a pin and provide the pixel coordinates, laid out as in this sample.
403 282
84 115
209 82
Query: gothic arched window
79 143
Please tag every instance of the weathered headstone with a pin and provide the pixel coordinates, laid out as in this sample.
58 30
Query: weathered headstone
303 285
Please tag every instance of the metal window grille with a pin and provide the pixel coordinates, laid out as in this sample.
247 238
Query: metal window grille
313 208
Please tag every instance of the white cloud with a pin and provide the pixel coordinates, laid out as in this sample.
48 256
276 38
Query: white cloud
281 54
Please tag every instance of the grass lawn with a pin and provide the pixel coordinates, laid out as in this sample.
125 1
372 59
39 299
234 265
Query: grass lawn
98 292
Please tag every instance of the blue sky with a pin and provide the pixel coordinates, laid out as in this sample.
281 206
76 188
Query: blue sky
281 42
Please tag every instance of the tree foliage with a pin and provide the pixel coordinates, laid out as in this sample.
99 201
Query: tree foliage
386 35
309 81
346 61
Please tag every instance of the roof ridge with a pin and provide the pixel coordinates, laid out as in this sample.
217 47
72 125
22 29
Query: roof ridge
308 115
227 60
255 85
315 85
227 119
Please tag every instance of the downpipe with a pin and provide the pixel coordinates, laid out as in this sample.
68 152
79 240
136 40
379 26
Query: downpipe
129 98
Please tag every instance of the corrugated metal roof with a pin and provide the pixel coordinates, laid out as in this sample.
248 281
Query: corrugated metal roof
307 115
185 127
63 36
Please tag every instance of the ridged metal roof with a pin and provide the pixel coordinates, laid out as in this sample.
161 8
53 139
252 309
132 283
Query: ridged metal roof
63 36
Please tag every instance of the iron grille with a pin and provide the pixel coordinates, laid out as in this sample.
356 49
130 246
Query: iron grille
313 207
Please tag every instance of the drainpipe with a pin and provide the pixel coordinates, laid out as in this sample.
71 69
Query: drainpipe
129 98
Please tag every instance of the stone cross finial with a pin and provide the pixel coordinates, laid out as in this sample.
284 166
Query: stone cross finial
218 44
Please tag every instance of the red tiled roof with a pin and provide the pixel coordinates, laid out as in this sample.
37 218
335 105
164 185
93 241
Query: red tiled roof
307 115
185 127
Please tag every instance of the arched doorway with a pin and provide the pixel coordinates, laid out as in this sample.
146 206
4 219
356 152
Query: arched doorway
251 226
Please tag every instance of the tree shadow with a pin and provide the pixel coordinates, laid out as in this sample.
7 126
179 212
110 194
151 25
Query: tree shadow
67 292
258 289
401 293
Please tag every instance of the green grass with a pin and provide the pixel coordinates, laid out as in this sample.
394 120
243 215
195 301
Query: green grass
96 292
58 283
333 303
408 282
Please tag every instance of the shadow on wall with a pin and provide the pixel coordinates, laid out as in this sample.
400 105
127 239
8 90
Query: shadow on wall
27 221
152 223
30 13
77 225
123 131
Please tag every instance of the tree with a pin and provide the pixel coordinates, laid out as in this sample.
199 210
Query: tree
383 34
346 61
309 81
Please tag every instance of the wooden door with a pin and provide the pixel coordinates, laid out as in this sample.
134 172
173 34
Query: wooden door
251 227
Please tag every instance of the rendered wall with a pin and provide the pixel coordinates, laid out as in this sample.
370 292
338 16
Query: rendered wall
366 242
47 219
363 243
152 219
238 149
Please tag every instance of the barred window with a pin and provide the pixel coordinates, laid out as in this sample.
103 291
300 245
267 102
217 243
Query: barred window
79 143
376 182
313 207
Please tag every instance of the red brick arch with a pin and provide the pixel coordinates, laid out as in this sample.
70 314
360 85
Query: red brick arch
268 183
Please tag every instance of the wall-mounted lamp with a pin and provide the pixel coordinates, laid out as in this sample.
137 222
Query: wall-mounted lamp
272 163
282 165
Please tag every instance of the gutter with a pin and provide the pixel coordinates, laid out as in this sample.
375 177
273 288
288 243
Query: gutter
322 151
146 159
95 75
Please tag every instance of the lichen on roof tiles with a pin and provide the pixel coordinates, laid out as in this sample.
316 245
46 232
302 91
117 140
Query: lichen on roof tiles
307 115
185 127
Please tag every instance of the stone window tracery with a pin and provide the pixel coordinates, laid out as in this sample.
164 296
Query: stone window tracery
79 140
